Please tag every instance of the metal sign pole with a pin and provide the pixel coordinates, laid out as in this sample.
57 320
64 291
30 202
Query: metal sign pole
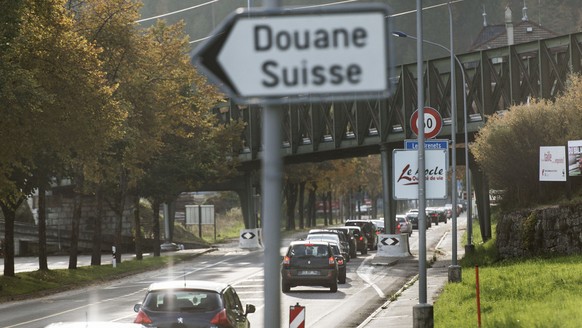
272 166
422 312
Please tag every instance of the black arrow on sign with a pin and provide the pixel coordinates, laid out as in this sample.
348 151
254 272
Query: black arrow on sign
395 241
247 235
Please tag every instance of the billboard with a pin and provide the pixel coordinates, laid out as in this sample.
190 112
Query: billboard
405 173
553 163
575 158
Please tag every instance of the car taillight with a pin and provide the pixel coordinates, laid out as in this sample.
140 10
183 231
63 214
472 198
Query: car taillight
331 261
398 228
220 319
142 318
286 260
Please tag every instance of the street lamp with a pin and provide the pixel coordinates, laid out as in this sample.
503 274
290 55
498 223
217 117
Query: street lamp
454 269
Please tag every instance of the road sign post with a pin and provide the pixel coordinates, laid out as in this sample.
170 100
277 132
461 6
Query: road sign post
296 316
287 58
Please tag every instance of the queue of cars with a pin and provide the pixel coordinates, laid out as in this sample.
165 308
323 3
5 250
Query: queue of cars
434 215
320 259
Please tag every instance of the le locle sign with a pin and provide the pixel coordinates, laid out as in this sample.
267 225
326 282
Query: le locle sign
298 53
406 174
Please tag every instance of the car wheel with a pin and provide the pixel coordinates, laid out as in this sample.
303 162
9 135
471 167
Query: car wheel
365 251
342 277
333 287
286 287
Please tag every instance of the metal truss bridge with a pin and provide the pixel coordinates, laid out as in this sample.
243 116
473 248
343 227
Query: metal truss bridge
495 79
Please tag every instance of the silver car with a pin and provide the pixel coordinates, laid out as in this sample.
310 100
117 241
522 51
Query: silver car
404 224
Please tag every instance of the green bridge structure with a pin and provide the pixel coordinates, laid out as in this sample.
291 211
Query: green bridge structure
495 79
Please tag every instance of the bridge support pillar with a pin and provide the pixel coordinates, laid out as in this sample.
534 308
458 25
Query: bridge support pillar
389 202
249 199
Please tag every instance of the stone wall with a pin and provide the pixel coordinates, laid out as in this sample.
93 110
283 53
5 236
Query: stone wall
551 230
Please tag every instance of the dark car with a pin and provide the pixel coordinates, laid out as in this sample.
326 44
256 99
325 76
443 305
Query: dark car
369 230
341 263
412 217
192 303
351 238
361 240
309 263
433 215
344 241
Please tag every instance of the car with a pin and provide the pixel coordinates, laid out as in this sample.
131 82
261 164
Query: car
341 263
369 230
170 247
351 238
331 236
379 225
93 324
192 303
309 263
434 215
404 225
361 239
412 216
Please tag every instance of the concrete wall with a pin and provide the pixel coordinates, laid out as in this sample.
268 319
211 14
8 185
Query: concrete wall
551 230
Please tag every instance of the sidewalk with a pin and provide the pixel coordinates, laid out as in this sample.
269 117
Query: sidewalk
398 313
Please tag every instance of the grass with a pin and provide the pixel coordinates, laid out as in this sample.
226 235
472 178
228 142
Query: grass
535 292
38 283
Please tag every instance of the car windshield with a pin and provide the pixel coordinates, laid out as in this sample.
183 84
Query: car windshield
182 301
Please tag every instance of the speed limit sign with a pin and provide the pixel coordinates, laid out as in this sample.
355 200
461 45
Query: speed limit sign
433 122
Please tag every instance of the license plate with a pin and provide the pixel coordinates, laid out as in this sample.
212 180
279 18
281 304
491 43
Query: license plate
308 273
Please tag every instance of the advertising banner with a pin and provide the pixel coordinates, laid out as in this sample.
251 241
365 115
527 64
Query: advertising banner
553 163
575 158
405 173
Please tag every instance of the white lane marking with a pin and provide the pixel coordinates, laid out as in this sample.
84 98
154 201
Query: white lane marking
365 276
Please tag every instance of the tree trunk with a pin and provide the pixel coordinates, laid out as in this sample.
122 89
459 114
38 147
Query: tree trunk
324 202
156 226
77 209
310 207
119 209
97 232
42 252
291 197
302 205
137 227
329 200
9 211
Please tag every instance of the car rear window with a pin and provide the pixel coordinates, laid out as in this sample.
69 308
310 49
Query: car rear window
182 301
309 250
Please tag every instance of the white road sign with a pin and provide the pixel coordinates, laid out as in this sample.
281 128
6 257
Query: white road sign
406 176
301 53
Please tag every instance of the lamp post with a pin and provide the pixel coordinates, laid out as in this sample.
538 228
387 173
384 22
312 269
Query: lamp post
454 273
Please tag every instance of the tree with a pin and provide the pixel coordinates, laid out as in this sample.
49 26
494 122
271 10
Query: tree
507 147
55 102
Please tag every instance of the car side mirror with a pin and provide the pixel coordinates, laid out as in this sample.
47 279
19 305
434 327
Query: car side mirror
137 307
250 309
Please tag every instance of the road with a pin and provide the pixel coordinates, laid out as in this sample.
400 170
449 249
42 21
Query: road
367 287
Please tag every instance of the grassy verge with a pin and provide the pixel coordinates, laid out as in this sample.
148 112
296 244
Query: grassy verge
536 292
38 283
